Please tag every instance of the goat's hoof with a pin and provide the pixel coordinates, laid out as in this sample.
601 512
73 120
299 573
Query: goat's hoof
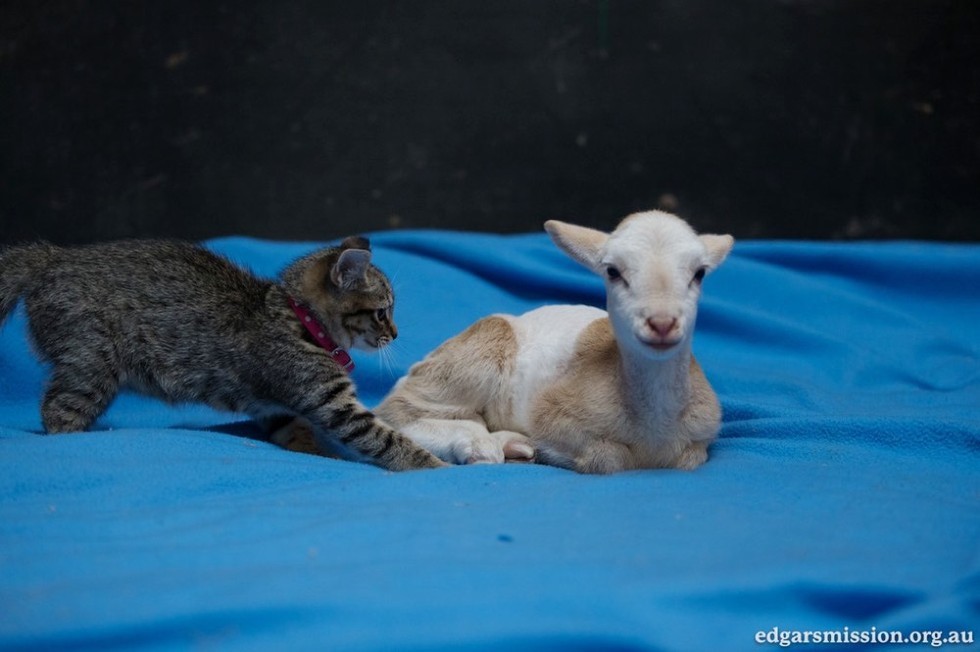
498 447
518 449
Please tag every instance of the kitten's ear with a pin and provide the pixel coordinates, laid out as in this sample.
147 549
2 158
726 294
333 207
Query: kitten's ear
581 243
356 242
350 267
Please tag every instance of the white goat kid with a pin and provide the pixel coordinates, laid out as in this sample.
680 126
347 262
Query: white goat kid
574 386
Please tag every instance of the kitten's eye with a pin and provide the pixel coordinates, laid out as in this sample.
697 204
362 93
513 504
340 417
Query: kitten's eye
699 275
382 313
613 273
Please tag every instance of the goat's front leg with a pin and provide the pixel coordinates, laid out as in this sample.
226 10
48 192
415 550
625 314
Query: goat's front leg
461 441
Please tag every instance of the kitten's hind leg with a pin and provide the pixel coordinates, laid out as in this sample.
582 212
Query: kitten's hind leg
76 396
292 433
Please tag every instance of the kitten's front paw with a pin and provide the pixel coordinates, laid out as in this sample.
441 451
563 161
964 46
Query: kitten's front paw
498 447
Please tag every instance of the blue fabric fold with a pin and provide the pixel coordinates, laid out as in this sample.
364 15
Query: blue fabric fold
844 490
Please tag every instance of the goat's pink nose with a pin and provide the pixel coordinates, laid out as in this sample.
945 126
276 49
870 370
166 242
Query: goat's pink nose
662 326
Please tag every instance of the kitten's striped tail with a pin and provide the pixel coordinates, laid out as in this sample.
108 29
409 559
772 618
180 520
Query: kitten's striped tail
17 266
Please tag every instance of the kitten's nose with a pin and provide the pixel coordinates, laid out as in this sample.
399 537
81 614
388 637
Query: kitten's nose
394 331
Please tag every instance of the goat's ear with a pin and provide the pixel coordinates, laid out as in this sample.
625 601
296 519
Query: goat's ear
581 243
350 267
717 247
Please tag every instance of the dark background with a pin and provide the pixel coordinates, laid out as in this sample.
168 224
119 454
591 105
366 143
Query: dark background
311 120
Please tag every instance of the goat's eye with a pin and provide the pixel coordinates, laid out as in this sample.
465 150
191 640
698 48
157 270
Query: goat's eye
613 273
699 275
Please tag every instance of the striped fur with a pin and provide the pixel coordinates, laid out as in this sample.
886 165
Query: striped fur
174 320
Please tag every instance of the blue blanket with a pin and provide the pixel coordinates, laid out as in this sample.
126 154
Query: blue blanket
842 499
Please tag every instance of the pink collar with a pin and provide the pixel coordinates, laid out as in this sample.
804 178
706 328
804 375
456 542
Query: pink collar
319 334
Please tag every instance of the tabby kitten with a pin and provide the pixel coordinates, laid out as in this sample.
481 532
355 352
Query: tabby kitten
174 320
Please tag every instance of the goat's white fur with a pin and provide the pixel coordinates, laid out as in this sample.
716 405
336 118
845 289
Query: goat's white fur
576 386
